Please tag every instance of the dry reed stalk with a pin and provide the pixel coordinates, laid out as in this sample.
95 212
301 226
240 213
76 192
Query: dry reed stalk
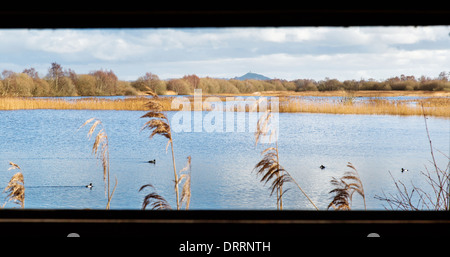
15 187
159 125
100 149
186 189
269 167
344 189
108 204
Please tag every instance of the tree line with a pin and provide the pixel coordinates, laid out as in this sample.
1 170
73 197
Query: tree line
65 82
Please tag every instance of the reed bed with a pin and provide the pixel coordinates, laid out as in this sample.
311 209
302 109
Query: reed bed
360 93
434 106
27 103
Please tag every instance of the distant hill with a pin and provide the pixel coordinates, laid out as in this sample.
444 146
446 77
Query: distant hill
251 75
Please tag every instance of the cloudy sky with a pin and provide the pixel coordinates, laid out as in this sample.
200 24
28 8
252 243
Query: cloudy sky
286 53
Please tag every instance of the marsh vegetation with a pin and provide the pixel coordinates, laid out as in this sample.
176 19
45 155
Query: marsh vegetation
434 106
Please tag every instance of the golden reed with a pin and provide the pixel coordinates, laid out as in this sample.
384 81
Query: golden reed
434 106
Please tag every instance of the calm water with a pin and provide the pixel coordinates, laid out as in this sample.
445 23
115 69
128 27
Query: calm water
56 158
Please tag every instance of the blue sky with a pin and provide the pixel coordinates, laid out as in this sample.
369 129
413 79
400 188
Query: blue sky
286 53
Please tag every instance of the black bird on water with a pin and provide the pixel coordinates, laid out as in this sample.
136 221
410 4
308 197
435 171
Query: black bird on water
322 167
152 161
404 170
89 186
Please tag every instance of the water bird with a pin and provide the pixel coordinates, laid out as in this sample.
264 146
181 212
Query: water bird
322 167
89 186
152 161
404 170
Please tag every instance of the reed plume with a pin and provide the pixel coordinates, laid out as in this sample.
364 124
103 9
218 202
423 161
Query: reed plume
344 189
186 189
13 166
101 150
156 201
269 167
159 125
271 171
341 200
16 187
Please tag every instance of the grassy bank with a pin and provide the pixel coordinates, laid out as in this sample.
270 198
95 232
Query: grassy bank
434 106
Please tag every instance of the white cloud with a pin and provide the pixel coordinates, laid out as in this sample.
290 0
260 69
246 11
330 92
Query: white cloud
341 66
103 45
61 42
344 53
408 35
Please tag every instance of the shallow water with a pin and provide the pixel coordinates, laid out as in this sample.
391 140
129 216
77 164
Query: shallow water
57 163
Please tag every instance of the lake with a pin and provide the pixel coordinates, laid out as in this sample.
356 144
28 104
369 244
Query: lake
57 163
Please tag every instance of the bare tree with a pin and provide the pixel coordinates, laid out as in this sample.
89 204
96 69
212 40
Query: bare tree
55 72
31 72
